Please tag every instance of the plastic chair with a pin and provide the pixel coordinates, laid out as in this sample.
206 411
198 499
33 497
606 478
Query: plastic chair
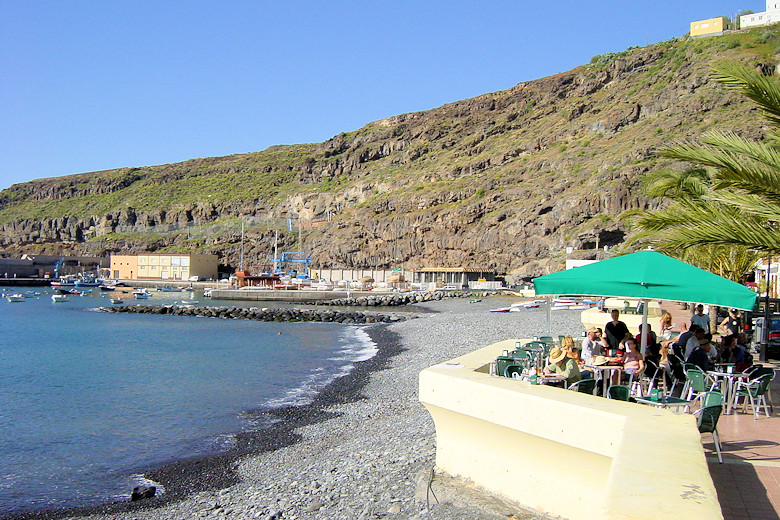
619 392
502 362
707 422
586 386
546 339
514 371
759 371
707 399
697 383
755 391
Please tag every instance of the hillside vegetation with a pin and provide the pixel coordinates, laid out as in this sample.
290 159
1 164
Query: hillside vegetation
506 180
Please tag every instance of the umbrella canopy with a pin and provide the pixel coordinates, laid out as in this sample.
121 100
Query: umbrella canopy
648 275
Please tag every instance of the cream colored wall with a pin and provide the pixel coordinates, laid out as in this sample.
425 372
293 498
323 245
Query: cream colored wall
565 453
163 266
204 266
595 318
124 267
710 26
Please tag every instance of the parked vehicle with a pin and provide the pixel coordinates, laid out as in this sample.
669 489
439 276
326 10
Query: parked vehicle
773 347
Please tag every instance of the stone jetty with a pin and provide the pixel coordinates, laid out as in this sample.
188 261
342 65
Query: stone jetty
264 314
395 299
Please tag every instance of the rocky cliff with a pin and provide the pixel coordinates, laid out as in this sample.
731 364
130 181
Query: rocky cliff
506 180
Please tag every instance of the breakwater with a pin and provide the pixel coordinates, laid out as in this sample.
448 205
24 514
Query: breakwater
263 314
395 299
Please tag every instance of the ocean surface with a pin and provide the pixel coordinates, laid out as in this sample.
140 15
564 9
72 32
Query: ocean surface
89 399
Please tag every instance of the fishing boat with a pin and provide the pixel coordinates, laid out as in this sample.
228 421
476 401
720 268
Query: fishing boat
107 287
18 297
168 288
117 301
59 298
141 294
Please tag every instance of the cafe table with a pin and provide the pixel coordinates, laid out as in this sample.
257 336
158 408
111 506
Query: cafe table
605 373
664 402
727 384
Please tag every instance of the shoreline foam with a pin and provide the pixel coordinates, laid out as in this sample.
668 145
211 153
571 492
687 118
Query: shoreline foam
360 450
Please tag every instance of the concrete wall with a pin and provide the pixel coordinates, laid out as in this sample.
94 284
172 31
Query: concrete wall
336 275
565 453
163 266
710 27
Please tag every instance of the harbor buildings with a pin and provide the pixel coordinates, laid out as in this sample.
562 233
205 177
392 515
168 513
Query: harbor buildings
164 266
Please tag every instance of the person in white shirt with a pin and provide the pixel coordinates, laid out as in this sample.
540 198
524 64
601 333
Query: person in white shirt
693 342
593 345
700 319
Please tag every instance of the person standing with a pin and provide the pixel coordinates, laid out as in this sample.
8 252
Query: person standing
615 331
732 324
701 319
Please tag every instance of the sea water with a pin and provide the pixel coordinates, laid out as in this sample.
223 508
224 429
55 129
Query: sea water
89 399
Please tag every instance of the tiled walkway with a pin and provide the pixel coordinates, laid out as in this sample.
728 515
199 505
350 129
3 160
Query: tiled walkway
748 481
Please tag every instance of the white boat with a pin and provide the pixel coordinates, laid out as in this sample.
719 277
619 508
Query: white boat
18 297
189 302
59 298
141 294
117 301
169 288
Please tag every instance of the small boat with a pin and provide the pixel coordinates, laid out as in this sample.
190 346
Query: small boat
18 297
107 287
141 295
168 288
189 302
117 301
59 298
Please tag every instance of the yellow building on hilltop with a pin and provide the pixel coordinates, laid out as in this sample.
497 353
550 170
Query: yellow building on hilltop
710 27
164 266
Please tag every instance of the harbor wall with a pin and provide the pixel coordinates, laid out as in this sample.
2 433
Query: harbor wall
565 453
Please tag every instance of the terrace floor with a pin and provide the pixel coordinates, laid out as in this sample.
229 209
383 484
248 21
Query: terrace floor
748 481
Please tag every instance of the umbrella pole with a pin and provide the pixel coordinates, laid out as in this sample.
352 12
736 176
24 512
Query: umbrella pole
645 305
549 314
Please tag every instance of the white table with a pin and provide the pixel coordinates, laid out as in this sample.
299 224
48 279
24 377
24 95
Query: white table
605 372
727 384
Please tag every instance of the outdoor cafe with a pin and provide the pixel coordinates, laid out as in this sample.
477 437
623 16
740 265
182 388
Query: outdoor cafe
506 395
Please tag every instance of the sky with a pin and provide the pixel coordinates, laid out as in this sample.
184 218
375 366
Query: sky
95 85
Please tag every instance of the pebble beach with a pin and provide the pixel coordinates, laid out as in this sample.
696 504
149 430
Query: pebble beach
365 448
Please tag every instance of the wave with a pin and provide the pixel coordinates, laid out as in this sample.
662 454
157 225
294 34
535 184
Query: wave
355 346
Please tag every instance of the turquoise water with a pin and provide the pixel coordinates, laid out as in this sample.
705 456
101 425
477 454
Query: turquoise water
88 399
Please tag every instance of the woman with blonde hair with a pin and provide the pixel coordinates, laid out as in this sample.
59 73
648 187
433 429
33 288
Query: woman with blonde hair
666 326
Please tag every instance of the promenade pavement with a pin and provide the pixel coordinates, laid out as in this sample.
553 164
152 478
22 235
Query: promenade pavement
748 481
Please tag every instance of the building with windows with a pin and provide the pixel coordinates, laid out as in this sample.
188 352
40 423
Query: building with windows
164 266
710 27
768 17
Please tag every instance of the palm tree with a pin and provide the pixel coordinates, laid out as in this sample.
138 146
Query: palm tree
731 195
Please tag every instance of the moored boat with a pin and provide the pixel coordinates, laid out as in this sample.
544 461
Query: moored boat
59 298
18 297
117 301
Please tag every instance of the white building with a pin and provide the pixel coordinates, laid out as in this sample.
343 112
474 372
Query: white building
770 16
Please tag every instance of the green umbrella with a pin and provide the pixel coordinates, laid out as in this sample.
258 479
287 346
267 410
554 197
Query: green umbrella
647 275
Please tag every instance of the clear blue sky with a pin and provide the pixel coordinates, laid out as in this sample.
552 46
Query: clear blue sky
95 85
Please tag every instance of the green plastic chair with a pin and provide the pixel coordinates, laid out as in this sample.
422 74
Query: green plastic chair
755 391
619 392
535 345
697 383
586 386
502 362
707 399
514 371
546 339
707 422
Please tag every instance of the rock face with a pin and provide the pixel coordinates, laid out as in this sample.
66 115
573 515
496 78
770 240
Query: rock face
506 180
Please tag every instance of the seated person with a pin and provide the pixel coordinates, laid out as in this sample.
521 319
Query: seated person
593 345
633 362
701 355
563 365
650 340
567 343
731 352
